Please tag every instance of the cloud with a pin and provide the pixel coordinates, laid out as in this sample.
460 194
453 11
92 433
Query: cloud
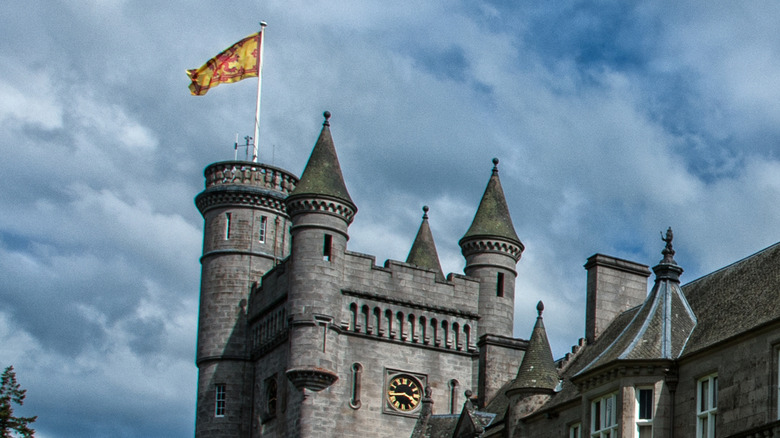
611 122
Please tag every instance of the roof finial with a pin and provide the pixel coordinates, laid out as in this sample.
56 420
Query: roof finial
327 117
668 251
495 165
540 308
425 212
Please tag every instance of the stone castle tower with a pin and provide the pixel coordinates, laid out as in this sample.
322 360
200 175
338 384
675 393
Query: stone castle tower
298 336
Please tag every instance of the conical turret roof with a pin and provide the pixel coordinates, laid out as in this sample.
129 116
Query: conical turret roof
492 218
322 175
662 326
537 371
423 252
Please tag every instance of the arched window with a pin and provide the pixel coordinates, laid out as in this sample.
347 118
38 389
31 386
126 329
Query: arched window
412 332
453 385
353 317
354 401
402 334
378 322
364 319
456 336
424 330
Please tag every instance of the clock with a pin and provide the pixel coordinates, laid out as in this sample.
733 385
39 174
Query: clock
404 392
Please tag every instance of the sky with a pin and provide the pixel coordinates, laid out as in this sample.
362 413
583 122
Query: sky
612 121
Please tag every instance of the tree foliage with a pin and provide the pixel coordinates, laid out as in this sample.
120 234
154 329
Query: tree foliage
12 393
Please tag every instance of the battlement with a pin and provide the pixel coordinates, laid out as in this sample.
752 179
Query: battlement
250 174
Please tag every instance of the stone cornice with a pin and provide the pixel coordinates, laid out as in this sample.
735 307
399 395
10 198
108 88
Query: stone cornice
408 303
321 204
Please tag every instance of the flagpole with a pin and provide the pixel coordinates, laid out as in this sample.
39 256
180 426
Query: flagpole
259 87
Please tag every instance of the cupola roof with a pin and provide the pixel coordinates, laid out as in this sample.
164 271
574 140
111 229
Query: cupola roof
537 370
322 175
662 325
492 218
423 252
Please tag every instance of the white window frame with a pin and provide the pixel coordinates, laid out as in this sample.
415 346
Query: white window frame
706 406
262 230
219 401
228 217
603 420
575 430
640 422
777 382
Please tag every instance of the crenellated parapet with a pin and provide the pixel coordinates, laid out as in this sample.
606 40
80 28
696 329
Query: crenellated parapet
247 184
250 174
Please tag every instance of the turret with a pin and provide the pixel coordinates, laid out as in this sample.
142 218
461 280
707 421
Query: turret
245 234
536 378
492 249
423 253
321 210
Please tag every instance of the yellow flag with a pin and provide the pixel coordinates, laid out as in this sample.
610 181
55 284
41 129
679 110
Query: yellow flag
237 62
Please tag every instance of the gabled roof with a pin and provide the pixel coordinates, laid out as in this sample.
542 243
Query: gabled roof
537 370
322 175
423 252
492 218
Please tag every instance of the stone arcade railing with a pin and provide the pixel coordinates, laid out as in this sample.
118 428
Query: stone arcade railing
252 174
767 430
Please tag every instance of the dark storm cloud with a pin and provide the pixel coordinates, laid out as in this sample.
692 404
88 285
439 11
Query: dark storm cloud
612 122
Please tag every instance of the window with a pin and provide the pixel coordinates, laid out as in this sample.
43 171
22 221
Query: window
261 231
603 418
706 406
271 396
500 284
327 247
575 431
453 396
357 370
228 216
644 412
219 410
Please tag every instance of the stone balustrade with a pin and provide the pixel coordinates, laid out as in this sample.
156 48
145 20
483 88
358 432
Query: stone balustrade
251 174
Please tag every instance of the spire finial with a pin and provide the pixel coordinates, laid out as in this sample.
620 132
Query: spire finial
540 308
668 251
495 165
326 114
425 211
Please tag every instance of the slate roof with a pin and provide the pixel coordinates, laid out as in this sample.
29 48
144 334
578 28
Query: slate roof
726 304
322 174
423 252
492 218
537 370
733 300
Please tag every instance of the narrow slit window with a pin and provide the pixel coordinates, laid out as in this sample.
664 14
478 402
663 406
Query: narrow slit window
500 284
219 410
228 217
261 231
327 247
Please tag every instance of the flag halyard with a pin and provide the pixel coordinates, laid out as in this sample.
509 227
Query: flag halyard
237 62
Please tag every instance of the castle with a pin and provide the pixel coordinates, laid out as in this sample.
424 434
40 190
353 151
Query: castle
300 337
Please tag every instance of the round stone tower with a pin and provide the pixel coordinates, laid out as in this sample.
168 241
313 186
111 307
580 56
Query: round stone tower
321 211
245 234
492 249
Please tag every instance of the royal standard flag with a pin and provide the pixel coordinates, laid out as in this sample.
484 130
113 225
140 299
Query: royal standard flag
237 62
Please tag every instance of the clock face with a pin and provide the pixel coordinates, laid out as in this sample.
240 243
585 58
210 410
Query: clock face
404 393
